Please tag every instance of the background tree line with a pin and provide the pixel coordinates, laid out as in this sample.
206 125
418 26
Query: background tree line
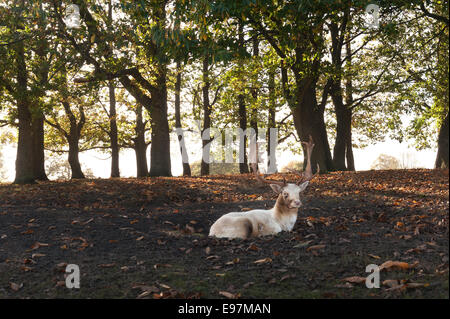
315 68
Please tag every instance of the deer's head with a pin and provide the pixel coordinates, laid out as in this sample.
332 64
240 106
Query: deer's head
289 193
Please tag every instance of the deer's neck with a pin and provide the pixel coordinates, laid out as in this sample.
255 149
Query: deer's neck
284 215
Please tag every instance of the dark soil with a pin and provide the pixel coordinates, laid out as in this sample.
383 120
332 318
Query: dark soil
148 238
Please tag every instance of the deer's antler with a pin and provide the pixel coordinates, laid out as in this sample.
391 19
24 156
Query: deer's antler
262 179
307 175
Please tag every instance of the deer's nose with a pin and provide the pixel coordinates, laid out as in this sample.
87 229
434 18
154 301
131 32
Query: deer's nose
297 203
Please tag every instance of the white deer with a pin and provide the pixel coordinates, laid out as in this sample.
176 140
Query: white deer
261 222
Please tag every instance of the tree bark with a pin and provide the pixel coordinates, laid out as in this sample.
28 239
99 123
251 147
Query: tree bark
115 172
74 160
180 133
442 153
271 166
160 150
254 111
242 114
204 169
38 146
309 120
24 162
140 146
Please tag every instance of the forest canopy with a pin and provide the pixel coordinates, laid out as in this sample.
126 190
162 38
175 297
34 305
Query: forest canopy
110 75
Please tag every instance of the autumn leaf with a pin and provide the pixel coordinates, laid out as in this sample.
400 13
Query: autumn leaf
393 265
315 247
228 295
263 261
355 279
37 245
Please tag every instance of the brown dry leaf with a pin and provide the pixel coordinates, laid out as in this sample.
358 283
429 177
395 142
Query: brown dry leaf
355 279
37 255
374 256
263 261
140 238
107 265
253 247
416 285
392 265
208 250
315 247
391 283
27 232
228 295
37 245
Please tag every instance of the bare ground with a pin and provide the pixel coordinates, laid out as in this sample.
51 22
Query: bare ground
147 238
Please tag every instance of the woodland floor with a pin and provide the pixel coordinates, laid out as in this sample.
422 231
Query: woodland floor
147 238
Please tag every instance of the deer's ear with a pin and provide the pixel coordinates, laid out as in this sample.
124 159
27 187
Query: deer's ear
276 188
303 186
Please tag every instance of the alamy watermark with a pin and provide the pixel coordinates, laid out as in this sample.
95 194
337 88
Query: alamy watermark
374 11
373 280
72 16
225 140
73 276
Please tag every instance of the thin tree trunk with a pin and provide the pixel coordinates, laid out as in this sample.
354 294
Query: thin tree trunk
140 147
115 172
74 160
180 133
38 146
271 165
204 169
254 111
242 114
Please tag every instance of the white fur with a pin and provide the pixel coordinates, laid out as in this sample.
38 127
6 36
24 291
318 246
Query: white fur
263 222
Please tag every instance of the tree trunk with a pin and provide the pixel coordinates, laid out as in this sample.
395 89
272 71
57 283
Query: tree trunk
140 147
271 165
254 111
74 160
180 133
442 153
24 162
160 150
115 172
38 146
343 137
242 112
204 169
309 120
243 162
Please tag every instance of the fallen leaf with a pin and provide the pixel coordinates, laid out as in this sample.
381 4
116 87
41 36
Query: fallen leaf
392 265
263 261
303 244
315 247
228 295
391 283
37 245
355 279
